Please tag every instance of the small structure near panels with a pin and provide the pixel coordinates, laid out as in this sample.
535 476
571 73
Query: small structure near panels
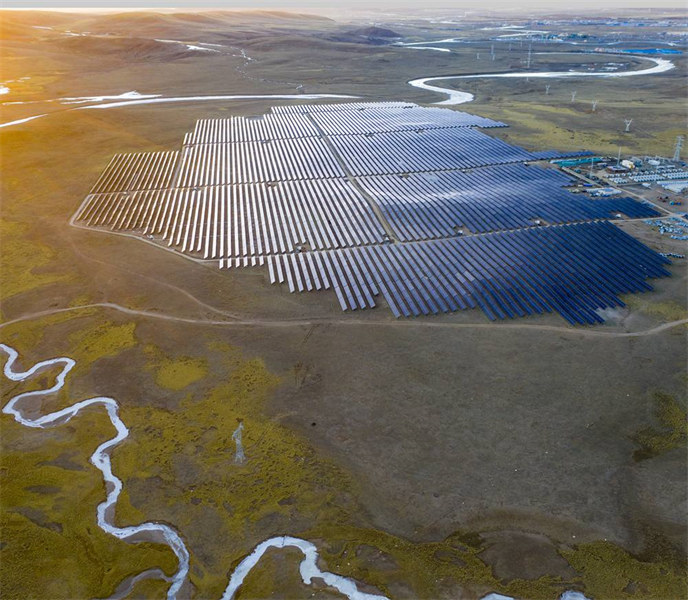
386 200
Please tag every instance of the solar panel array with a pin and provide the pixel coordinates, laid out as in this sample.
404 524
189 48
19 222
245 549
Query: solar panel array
415 205
430 205
140 171
381 120
427 150
572 269
253 162
348 106
251 129
243 220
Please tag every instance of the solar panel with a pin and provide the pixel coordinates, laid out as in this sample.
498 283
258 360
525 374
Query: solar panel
574 270
427 150
433 205
140 171
380 120
243 220
382 201
251 129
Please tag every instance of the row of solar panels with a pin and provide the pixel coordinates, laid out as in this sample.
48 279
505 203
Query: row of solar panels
243 220
377 120
311 158
575 270
439 204
140 171
268 218
340 122
313 108
430 150
251 129
253 162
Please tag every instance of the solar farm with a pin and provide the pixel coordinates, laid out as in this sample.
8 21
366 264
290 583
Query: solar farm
418 206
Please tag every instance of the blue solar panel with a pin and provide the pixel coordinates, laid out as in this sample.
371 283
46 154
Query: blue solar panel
389 201
433 205
575 270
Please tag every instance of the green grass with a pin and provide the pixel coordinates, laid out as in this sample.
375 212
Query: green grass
671 431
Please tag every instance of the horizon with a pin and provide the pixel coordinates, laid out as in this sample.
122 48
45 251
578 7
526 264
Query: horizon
356 5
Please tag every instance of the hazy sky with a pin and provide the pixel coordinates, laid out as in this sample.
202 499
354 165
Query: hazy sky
384 5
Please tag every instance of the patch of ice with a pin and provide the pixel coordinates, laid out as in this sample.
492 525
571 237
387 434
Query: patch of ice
521 34
429 48
192 47
215 98
309 569
133 95
444 41
455 96
569 595
502 27
4 90
18 121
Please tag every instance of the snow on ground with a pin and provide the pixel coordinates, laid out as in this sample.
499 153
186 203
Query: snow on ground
430 48
133 95
192 47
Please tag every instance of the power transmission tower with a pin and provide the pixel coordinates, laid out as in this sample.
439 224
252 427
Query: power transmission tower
573 96
628 125
677 148
547 90
530 52
594 105
477 55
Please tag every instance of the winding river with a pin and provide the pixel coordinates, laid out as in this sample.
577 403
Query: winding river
661 65
159 532
151 531
454 97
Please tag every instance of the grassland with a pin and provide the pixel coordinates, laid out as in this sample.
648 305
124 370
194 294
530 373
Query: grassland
415 476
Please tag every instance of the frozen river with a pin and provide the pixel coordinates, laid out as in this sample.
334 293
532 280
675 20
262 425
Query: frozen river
660 65
151 531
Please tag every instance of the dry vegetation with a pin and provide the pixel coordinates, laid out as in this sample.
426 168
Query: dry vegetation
413 456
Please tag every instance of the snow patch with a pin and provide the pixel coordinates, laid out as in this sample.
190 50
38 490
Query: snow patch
133 95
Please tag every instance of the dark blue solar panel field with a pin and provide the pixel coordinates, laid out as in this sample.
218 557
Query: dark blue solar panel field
417 206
